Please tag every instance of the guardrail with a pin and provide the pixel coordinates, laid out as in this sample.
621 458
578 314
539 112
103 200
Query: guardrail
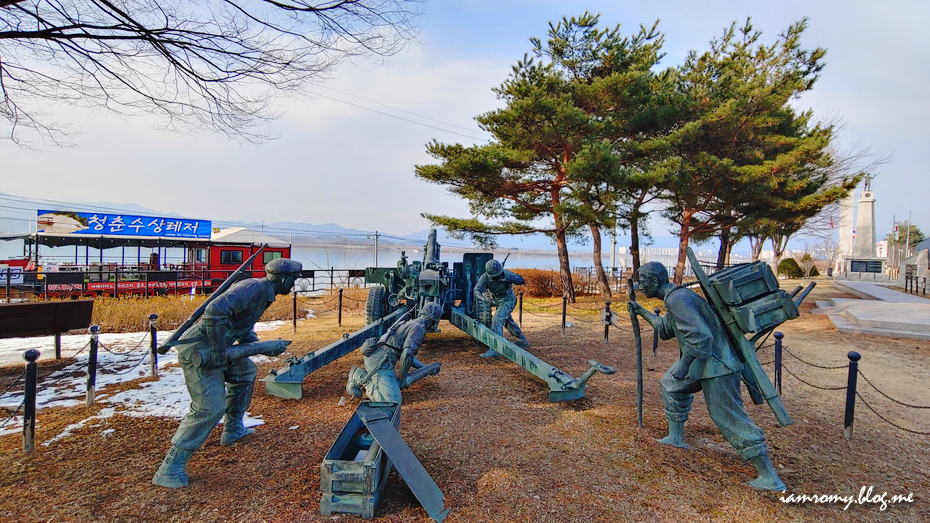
73 284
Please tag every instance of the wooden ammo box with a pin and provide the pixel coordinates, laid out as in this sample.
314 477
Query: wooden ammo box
743 283
765 313
752 295
354 471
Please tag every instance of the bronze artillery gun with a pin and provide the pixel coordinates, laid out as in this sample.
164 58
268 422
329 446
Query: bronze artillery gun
407 288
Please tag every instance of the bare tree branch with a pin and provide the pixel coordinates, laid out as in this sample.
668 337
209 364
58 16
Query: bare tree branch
208 65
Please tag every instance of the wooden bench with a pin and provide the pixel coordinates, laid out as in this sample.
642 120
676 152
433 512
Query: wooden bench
44 318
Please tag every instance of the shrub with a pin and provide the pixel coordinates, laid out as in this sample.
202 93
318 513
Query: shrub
790 268
548 284
540 283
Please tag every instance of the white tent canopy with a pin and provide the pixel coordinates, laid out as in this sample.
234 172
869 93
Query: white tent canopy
243 235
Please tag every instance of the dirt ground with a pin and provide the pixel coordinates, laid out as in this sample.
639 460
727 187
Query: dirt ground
488 436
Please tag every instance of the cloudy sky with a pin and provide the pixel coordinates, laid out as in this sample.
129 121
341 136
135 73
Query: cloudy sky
349 163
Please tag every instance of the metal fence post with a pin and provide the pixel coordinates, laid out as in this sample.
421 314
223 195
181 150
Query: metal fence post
520 316
332 271
564 305
655 334
607 324
778 337
29 402
9 272
153 342
294 319
851 394
339 320
92 364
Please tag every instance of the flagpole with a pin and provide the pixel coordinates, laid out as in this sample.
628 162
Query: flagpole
894 243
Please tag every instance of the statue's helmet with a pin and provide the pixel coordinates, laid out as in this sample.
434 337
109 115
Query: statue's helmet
284 267
493 268
432 310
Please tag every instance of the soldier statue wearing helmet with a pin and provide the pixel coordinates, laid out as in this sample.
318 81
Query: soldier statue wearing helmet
219 380
400 343
499 282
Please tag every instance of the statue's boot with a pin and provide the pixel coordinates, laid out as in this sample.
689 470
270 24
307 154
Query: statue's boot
676 435
768 478
171 473
234 430
491 353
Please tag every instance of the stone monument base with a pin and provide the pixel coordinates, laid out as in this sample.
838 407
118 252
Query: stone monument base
863 268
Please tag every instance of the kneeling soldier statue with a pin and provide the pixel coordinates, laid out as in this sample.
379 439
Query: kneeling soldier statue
217 371
400 343
499 282
708 363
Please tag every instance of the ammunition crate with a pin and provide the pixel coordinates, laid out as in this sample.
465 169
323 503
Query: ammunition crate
764 313
354 471
744 283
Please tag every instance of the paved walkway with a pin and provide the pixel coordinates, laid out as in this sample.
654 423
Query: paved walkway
875 291
884 311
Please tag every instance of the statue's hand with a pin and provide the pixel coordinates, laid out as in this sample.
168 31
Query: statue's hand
680 369
635 307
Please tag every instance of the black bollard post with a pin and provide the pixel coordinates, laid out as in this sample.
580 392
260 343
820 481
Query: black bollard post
92 364
520 316
655 333
29 402
851 394
339 317
778 337
57 345
564 305
153 342
607 322
294 317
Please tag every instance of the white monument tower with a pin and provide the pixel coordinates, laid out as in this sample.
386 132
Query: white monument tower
864 245
845 243
862 262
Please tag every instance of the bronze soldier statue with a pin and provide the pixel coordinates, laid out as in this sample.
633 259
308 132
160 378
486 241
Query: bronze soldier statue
708 363
400 343
219 376
499 282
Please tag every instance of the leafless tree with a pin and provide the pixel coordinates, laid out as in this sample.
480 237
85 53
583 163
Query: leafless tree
206 65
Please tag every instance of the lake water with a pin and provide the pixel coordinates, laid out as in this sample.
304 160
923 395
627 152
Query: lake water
350 257
359 257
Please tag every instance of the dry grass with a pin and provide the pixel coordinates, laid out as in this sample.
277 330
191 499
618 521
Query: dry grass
130 314
498 449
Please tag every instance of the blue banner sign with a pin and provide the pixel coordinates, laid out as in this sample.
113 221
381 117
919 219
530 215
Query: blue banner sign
15 274
66 222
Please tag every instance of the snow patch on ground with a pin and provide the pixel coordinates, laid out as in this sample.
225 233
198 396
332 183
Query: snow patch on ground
120 358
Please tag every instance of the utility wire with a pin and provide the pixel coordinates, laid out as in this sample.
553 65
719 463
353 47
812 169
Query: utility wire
397 117
398 109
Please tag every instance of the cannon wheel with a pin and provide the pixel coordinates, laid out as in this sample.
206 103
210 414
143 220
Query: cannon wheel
483 313
376 304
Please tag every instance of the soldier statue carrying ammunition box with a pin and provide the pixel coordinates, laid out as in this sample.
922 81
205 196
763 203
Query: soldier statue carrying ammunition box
710 363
